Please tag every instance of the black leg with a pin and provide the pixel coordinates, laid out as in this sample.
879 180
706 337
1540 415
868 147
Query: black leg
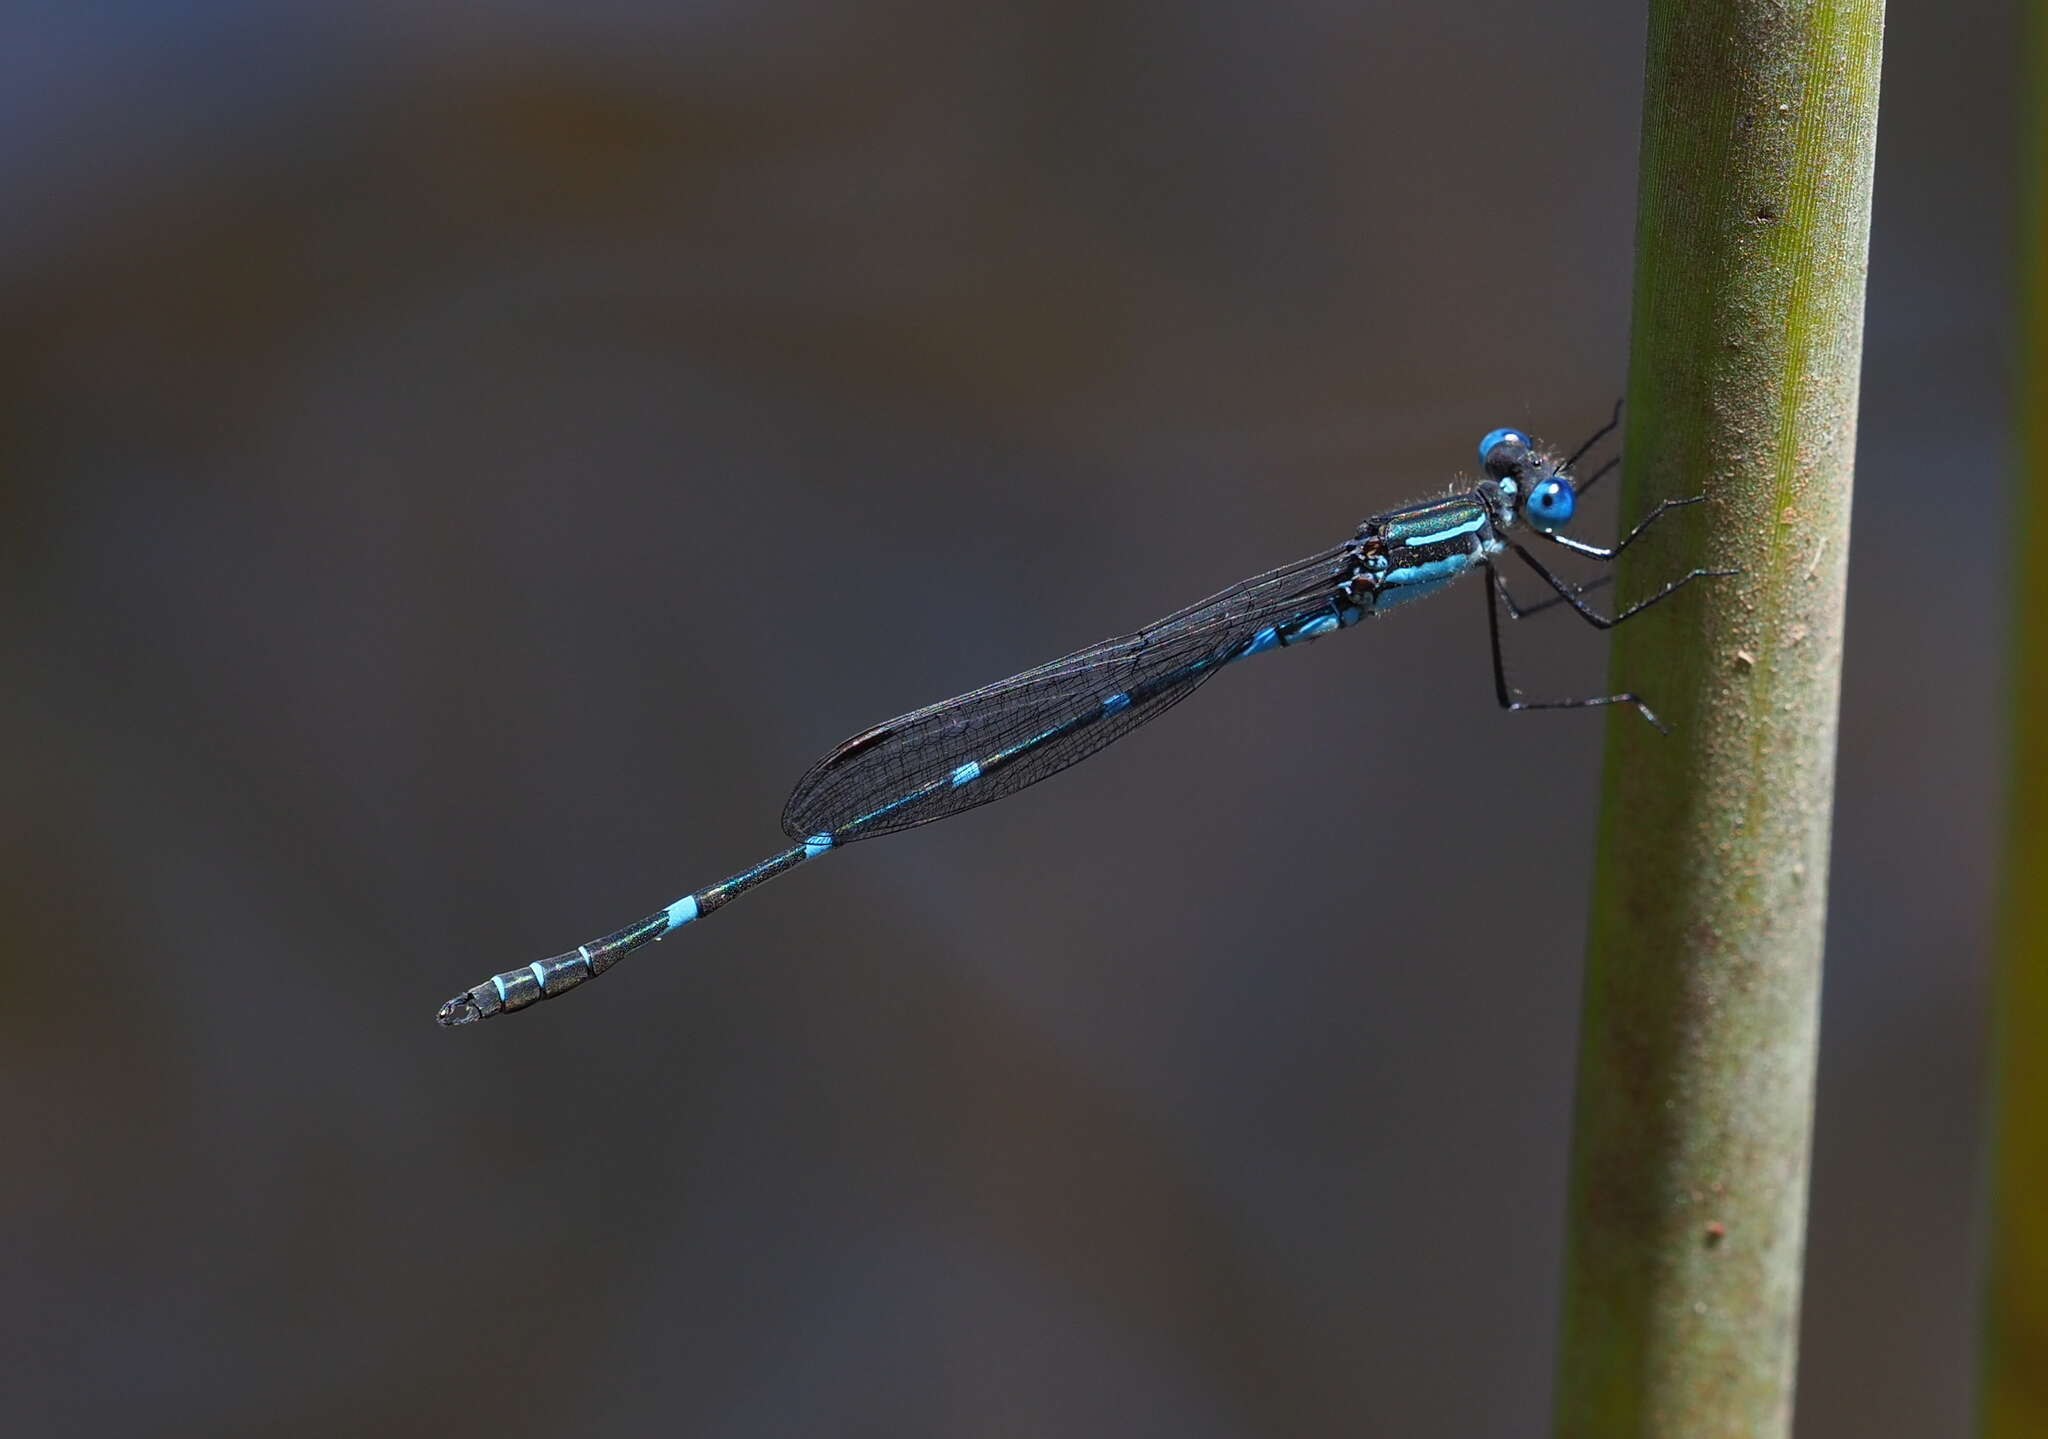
1580 487
1581 547
1519 611
1598 435
1495 591
1570 593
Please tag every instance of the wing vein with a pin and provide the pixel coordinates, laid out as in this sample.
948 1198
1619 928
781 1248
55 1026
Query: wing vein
952 756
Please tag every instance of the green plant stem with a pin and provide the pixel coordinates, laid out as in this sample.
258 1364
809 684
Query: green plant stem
2015 1388
1700 1021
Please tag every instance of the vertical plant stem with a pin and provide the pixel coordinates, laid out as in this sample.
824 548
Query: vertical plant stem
2015 1388
1700 1021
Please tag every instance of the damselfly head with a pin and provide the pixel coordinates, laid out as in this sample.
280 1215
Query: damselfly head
1524 482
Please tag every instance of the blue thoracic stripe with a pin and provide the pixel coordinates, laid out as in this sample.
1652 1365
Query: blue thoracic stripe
1469 527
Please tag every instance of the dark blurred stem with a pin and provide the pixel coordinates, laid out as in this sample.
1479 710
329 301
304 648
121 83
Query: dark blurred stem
1695 1088
2015 1387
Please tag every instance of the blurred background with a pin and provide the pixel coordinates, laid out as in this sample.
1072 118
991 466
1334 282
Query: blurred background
462 467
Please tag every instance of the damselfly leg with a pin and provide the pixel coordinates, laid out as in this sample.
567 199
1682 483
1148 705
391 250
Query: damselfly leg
1613 422
1520 611
1570 593
1496 592
1597 476
1600 552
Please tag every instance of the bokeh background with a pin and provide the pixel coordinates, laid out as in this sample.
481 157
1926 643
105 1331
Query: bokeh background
462 465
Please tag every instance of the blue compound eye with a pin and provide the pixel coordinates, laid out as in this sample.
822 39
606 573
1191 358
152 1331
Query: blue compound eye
1550 504
1501 437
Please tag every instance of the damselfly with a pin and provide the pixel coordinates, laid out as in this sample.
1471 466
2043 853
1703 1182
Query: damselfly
991 742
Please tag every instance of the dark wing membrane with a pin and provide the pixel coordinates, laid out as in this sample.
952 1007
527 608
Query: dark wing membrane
1034 724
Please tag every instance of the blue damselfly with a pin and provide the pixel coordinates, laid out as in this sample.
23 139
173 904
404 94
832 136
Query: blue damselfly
991 742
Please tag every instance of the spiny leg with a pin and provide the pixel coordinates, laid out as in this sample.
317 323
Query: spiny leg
1598 435
1600 553
1496 590
1570 593
1579 487
1519 611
